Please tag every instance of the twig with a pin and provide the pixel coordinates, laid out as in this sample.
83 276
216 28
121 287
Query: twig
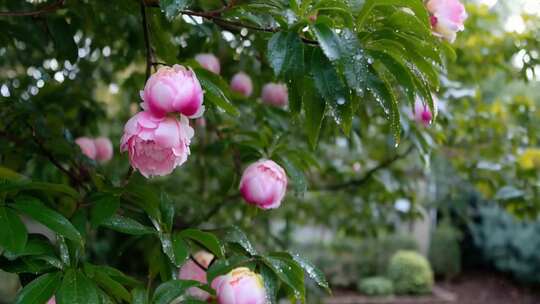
369 174
215 16
52 159
197 262
148 47
45 10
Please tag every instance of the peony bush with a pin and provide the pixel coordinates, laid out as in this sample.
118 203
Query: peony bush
202 171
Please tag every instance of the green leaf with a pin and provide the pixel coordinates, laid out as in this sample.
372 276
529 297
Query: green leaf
416 6
111 286
328 40
205 239
45 187
271 283
139 296
48 217
382 92
314 108
62 34
173 8
167 211
180 249
39 290
35 245
104 206
216 91
76 288
289 272
168 291
286 56
332 89
118 276
127 225
237 236
13 234
312 271
296 175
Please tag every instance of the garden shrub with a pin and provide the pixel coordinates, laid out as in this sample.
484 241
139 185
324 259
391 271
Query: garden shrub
410 273
376 253
445 251
512 245
376 286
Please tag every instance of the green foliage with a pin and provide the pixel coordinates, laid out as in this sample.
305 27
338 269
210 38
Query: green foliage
508 243
411 273
376 286
445 251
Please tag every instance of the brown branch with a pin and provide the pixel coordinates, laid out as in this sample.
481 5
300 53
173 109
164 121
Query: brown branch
147 45
76 179
215 16
369 174
45 10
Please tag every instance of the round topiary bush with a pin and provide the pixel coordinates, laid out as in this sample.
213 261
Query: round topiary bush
376 286
410 273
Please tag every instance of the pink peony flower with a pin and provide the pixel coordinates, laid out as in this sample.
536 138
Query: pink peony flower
240 286
422 113
52 301
447 17
209 62
156 145
275 94
104 149
241 83
191 271
173 89
264 184
88 147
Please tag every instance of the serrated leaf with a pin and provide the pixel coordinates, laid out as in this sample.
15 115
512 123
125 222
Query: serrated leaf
332 89
286 56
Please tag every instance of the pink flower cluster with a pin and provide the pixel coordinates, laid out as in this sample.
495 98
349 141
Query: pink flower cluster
240 286
156 140
99 149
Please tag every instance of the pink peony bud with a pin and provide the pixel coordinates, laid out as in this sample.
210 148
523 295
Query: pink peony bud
88 147
156 145
275 94
241 83
173 89
52 301
422 113
104 149
240 286
264 184
209 62
447 17
191 271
